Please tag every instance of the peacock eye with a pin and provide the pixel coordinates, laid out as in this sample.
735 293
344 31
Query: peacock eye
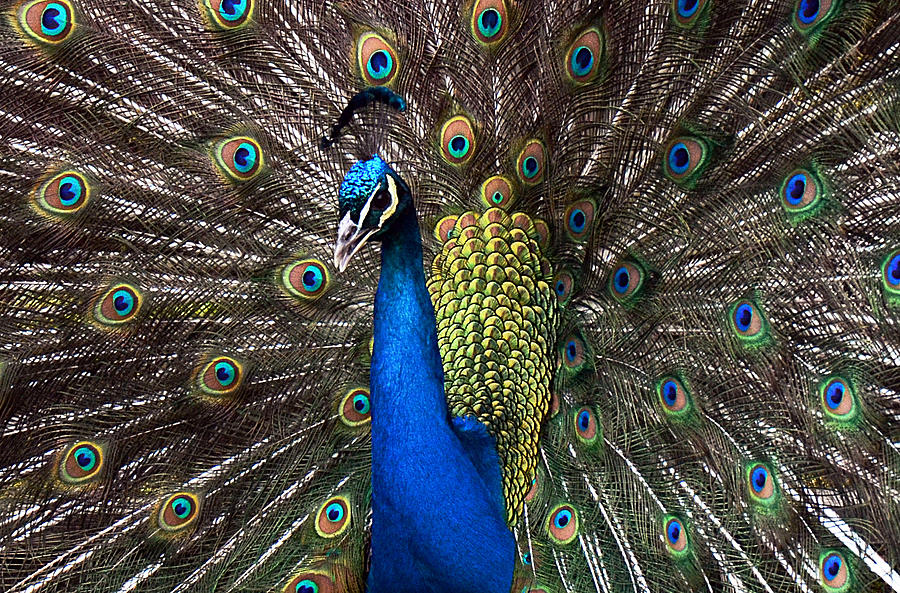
49 22
228 14
530 162
562 286
626 282
673 396
676 536
583 57
311 582
838 399
579 217
239 158
63 195
377 60
573 352
81 462
833 571
355 408
586 426
457 140
748 323
489 21
562 525
381 200
761 483
178 511
687 12
334 517
118 305
306 279
221 376
496 191
684 158
890 273
810 14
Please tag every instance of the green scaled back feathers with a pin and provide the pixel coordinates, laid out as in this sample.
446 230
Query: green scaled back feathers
666 275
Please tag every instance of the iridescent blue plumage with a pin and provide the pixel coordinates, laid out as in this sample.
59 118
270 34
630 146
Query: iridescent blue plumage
438 521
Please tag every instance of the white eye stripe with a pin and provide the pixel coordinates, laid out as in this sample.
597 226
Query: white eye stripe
392 190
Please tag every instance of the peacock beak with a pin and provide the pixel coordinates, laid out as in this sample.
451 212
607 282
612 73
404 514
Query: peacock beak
349 240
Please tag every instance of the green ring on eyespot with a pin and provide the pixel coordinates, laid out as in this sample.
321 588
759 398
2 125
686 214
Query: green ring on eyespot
458 146
494 24
184 503
384 66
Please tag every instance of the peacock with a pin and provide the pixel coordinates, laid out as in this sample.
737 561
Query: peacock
490 295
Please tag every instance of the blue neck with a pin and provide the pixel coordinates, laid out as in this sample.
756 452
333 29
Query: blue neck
435 523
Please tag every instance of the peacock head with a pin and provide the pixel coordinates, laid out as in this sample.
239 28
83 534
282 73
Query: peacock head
371 198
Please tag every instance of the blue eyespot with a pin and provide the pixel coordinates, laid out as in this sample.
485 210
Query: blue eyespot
54 19
679 158
86 458
795 188
181 506
834 571
118 305
526 559
123 302
333 517
313 278
670 392
560 288
584 420
334 512
380 65
758 478
70 191
530 167
577 220
225 373
81 463
562 518
245 157
582 61
673 531
489 22
808 11
232 10
459 146
834 394
178 512
832 566
621 279
361 403
571 350
306 586
743 317
687 8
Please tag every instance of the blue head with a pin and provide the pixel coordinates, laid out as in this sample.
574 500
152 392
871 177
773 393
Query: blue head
371 198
